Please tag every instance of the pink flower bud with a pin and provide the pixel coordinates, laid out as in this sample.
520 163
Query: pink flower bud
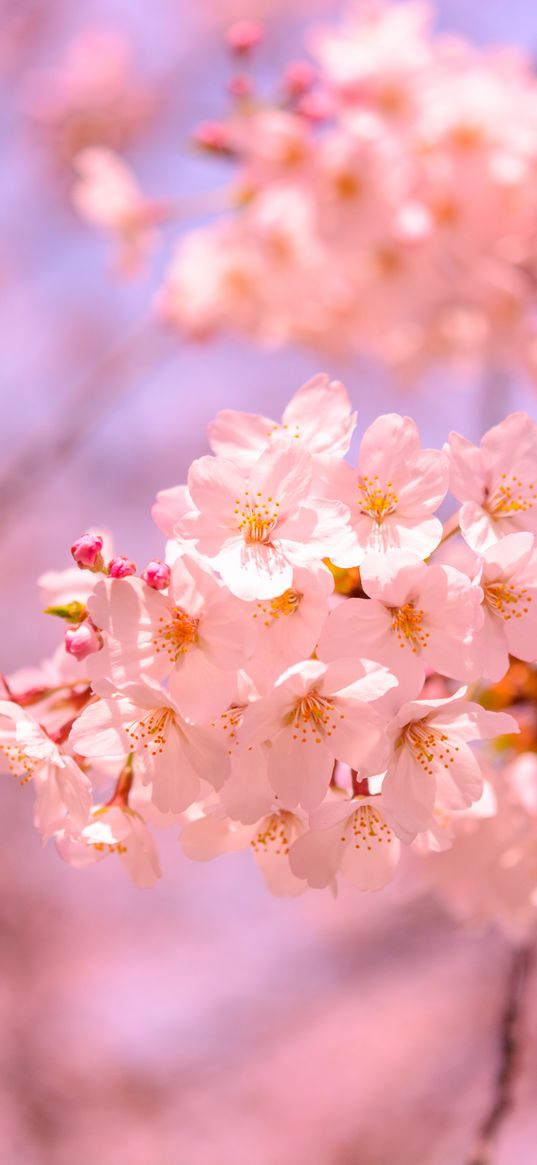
244 35
82 641
86 552
213 136
241 86
157 574
316 106
121 567
299 77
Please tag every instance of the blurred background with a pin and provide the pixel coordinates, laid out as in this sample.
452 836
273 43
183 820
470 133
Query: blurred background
203 1022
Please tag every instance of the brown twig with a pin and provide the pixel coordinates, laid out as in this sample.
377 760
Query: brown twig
510 1030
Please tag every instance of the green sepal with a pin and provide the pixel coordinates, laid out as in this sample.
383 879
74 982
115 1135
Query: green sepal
74 612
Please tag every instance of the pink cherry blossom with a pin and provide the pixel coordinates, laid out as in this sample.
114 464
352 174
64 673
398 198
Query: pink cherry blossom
316 714
107 194
247 794
508 579
393 494
416 617
317 417
196 634
351 836
270 839
496 482
430 763
172 754
63 792
114 830
288 627
254 528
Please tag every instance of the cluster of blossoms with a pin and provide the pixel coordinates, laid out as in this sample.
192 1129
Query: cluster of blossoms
294 675
383 202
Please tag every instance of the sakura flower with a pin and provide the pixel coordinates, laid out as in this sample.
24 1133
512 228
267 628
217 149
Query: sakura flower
114 829
508 579
63 792
348 835
318 416
430 763
255 528
172 754
288 627
270 839
196 634
417 616
497 482
107 194
247 794
391 497
316 714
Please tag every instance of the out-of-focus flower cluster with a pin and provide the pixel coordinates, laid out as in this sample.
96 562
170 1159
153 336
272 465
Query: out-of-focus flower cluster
293 676
383 202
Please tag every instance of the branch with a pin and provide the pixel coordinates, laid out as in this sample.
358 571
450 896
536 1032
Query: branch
510 1030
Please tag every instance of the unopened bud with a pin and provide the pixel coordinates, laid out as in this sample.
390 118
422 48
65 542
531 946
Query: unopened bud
299 77
83 640
241 86
214 136
121 567
244 35
86 552
157 574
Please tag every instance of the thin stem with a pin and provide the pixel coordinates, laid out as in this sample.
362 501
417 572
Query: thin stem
451 527
510 1030
120 796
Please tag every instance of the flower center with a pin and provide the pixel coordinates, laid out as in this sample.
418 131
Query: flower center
286 604
367 828
20 765
176 633
229 723
407 622
313 717
274 834
428 746
152 731
511 496
374 500
506 601
257 519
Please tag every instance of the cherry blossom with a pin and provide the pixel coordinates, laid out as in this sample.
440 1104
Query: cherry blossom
508 579
318 417
351 836
316 714
283 678
196 634
497 482
114 830
270 839
63 792
107 194
393 494
430 762
416 617
254 528
173 755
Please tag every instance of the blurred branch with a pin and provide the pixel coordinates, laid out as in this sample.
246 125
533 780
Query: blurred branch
510 1031
91 399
